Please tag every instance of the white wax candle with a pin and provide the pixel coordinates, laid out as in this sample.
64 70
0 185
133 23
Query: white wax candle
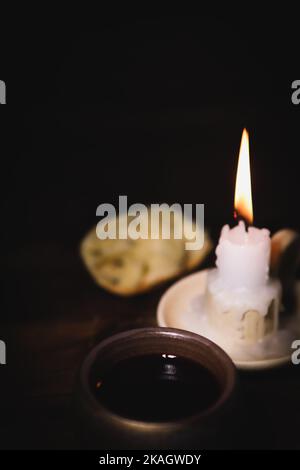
243 256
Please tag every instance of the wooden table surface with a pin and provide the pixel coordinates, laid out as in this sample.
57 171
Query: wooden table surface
61 314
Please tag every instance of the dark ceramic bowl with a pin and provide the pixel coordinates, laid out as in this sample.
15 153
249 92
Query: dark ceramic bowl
105 429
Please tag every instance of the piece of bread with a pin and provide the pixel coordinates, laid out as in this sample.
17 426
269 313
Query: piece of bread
285 253
129 267
285 262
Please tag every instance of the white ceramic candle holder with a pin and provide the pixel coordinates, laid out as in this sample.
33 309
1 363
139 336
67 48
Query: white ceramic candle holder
184 306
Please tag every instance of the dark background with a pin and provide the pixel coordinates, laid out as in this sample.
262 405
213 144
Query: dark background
152 107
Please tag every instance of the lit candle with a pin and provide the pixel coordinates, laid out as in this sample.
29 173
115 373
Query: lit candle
243 256
241 299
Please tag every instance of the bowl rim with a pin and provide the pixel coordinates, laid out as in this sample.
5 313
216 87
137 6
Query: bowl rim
96 409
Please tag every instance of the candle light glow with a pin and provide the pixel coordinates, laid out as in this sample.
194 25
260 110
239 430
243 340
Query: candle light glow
243 193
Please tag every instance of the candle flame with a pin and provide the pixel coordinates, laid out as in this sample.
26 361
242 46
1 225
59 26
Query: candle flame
243 193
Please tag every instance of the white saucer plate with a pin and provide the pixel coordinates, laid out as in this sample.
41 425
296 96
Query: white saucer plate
182 307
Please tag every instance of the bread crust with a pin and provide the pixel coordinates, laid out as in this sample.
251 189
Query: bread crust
131 267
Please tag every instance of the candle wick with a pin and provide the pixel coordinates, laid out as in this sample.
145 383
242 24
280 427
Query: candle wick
240 218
